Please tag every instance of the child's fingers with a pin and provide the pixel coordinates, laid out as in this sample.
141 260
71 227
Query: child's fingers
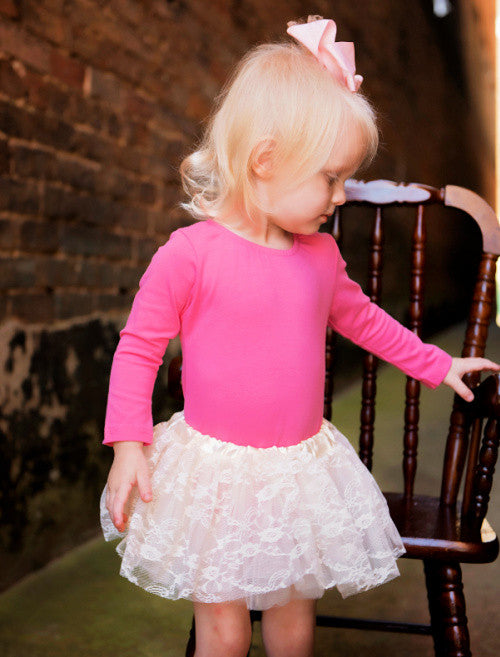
476 364
144 485
461 389
118 507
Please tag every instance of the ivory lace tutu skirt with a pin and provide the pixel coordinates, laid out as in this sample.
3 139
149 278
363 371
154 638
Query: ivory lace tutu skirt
258 525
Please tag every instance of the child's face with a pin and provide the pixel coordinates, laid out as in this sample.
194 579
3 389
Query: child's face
303 208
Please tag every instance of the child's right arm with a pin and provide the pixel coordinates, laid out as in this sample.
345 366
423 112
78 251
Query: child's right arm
155 318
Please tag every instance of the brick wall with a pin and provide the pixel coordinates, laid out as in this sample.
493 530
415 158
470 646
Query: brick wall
99 100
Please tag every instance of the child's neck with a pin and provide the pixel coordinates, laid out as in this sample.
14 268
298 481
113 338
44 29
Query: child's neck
259 229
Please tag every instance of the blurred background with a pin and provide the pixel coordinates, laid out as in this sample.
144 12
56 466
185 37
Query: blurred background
99 102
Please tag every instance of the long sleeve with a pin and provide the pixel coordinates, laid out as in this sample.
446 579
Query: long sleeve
354 316
154 319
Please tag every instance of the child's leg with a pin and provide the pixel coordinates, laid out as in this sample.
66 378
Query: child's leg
288 631
222 629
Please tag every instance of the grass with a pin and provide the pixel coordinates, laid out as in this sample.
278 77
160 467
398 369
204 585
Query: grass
78 605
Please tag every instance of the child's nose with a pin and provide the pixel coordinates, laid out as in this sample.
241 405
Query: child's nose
338 196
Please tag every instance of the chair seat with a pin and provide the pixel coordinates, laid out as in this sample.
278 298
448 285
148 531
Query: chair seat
431 531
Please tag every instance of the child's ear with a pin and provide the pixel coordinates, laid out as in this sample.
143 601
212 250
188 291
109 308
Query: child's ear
262 158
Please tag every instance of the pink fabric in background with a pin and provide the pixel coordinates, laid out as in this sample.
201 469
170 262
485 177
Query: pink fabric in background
252 324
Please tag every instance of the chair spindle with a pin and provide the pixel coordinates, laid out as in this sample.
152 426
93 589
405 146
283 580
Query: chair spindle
474 345
412 409
475 442
370 362
483 476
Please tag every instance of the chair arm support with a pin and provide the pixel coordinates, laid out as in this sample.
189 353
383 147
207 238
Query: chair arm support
486 401
486 404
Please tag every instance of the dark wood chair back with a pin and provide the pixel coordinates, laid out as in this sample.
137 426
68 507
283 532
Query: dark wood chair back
442 531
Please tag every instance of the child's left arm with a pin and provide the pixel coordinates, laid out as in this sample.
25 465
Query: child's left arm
459 367
355 316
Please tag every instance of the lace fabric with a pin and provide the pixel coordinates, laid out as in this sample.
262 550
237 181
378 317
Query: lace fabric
258 525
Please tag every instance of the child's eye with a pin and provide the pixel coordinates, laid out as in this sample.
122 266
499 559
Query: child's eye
331 180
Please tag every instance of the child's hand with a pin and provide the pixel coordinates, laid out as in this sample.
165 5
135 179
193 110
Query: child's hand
459 367
128 470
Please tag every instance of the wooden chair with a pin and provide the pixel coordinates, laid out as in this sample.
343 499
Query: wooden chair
441 531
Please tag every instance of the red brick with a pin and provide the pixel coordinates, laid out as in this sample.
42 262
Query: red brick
104 86
47 21
97 274
94 147
145 248
68 70
108 302
115 183
17 272
32 307
132 218
5 311
4 156
78 173
10 8
55 272
171 194
63 203
20 43
35 86
17 121
55 131
19 196
90 241
138 135
120 61
39 237
128 9
11 82
123 187
9 234
31 162
84 111
72 304
44 94
128 277
115 125
138 106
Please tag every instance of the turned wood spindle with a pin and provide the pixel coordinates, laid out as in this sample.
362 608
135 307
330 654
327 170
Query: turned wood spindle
483 476
474 345
370 362
412 410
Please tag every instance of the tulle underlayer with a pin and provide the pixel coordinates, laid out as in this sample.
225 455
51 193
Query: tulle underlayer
258 525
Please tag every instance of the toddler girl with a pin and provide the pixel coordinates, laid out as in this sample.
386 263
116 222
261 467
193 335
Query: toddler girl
248 498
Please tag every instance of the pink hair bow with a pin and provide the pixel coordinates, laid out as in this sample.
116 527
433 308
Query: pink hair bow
318 36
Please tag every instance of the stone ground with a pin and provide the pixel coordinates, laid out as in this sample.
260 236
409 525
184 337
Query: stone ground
78 605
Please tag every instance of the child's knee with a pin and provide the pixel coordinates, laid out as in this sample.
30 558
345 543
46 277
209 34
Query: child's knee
289 631
293 639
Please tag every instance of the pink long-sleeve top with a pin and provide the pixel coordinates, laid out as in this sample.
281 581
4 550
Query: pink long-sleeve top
252 322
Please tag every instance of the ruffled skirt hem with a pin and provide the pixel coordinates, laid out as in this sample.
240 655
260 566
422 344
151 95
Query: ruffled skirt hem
261 526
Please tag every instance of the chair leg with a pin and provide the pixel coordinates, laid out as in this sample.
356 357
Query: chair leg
191 644
447 609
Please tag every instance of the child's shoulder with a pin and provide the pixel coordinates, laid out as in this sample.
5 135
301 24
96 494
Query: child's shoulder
194 234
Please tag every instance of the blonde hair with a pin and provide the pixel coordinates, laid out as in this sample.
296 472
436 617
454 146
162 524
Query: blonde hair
277 90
